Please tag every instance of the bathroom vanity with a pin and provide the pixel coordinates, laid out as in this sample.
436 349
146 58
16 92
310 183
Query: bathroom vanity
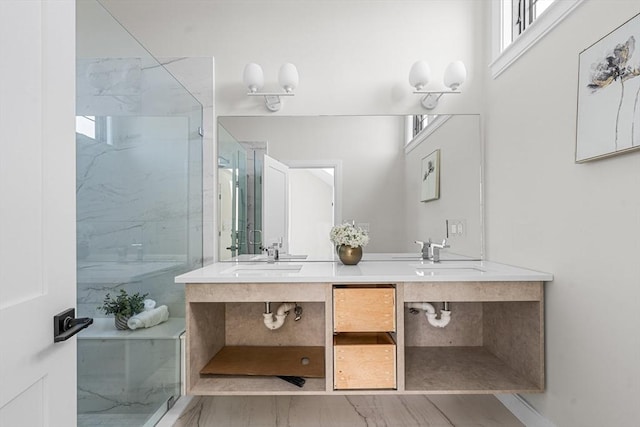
359 333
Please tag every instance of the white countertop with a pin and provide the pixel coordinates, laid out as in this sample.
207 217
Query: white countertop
380 268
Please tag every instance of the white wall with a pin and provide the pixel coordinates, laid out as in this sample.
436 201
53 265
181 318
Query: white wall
353 56
580 222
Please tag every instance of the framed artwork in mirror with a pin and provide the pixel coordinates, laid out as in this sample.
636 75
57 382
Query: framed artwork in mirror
608 121
430 189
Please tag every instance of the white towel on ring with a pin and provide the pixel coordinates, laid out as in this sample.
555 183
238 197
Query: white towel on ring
149 318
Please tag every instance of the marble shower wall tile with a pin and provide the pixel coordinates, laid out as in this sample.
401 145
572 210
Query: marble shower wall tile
141 175
129 86
108 86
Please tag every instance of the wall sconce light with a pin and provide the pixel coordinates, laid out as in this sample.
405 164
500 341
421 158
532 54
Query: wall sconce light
419 76
253 78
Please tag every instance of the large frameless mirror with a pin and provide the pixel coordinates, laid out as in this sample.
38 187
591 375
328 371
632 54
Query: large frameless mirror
288 180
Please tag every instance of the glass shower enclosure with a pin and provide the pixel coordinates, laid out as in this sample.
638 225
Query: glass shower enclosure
139 218
240 170
232 206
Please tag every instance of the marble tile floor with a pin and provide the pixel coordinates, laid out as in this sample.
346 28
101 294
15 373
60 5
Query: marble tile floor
347 411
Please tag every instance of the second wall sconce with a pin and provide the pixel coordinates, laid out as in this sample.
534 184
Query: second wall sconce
253 78
420 74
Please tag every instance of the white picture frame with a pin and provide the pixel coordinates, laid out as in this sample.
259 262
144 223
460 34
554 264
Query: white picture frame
430 187
608 117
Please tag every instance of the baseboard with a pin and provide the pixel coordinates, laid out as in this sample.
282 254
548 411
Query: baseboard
523 411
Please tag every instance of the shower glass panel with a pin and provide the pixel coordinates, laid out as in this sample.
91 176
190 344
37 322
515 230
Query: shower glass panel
139 218
255 230
232 176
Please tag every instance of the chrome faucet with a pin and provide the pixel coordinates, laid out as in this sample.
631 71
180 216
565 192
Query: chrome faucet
431 250
273 253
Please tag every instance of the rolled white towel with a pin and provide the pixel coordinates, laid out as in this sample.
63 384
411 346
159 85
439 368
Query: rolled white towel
149 304
149 318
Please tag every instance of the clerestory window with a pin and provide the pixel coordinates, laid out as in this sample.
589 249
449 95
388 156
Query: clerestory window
517 25
523 13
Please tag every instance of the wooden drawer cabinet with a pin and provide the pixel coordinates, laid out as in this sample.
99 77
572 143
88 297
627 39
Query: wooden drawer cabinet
364 353
358 309
364 361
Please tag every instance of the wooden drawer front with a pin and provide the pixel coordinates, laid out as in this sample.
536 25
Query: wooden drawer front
364 310
367 363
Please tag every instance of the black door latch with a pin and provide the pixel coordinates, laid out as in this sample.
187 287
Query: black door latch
65 324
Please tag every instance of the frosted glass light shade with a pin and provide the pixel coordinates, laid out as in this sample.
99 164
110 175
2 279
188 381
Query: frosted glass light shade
419 75
288 77
253 77
455 75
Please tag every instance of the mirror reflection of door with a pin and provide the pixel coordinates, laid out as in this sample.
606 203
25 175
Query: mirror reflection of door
299 205
275 204
312 203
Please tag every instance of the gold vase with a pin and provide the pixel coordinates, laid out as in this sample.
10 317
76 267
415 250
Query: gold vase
349 255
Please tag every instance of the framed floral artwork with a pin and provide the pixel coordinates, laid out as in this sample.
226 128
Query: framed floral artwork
608 120
430 177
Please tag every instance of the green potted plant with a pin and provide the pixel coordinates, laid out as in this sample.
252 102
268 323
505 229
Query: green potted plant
123 307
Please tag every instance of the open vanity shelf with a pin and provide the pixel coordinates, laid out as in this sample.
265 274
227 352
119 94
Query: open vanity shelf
229 336
365 338
461 370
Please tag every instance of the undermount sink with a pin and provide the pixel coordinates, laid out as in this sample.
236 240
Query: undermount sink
263 269
281 257
441 270
290 256
434 269
407 256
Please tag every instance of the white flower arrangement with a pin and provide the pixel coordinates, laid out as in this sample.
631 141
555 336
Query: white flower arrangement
348 234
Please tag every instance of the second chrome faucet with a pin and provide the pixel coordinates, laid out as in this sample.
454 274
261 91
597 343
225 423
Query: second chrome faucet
431 250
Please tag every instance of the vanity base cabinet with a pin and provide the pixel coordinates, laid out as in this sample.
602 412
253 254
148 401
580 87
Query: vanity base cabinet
494 342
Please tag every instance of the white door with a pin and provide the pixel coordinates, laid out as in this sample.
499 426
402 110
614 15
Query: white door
275 203
37 211
312 200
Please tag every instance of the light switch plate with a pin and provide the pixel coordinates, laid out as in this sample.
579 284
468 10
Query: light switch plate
457 227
